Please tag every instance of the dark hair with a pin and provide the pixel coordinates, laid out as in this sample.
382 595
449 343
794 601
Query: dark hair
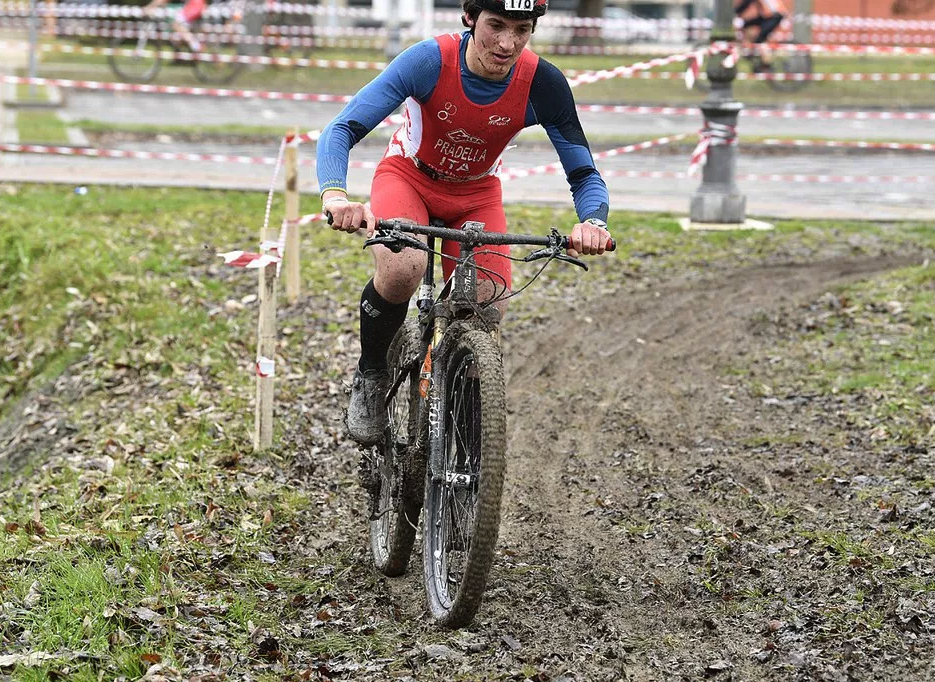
472 9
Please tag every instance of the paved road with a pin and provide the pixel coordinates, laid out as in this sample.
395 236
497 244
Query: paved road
884 201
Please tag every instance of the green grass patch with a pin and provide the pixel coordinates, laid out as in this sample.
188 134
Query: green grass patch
40 126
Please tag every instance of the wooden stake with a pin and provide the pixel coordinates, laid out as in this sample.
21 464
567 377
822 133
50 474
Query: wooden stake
265 350
292 260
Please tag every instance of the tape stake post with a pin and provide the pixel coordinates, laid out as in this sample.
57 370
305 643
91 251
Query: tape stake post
266 337
291 256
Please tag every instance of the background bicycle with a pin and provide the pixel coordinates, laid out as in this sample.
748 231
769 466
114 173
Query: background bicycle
445 442
780 74
138 56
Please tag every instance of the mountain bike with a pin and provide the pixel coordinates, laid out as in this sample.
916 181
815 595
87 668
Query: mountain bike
788 70
215 61
444 448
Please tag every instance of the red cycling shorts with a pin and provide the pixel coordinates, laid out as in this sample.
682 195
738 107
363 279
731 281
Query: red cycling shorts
400 190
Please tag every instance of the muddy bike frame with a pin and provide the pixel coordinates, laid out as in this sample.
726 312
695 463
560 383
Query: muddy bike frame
445 444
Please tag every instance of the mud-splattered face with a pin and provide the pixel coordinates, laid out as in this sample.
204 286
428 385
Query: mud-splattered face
497 44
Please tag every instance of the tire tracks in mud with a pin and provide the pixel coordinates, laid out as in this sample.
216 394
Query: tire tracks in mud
609 404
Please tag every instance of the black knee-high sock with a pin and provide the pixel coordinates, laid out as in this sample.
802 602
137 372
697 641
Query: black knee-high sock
379 321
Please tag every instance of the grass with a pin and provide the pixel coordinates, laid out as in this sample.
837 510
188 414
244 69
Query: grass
155 544
40 126
875 340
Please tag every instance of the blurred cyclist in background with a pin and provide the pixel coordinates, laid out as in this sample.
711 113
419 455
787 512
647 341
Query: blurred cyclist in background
760 19
182 21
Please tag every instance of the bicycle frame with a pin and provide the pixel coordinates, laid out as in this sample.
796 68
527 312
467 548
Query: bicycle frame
454 444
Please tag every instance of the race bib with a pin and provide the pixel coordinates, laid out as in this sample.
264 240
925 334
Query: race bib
518 5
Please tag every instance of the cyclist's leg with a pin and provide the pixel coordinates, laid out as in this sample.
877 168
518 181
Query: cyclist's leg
385 299
183 27
768 25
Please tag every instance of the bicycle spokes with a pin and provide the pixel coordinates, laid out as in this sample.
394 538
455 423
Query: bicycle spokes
461 473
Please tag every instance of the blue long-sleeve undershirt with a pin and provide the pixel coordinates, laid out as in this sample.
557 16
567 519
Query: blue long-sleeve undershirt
415 73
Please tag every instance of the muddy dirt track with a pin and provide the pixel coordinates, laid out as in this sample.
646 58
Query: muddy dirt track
661 521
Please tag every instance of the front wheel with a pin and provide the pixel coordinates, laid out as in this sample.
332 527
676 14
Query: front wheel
399 460
464 480
138 63
217 59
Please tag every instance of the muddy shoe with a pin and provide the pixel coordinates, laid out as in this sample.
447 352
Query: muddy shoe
366 414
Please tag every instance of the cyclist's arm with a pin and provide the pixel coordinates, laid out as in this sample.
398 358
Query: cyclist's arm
553 107
414 73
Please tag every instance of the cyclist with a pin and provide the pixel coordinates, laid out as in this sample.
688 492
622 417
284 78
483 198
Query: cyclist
190 12
760 19
466 97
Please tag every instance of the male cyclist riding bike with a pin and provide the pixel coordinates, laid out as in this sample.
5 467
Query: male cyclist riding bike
760 19
467 96
190 12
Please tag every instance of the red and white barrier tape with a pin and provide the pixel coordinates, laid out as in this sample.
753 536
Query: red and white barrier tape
877 77
853 49
247 259
713 134
590 108
818 21
189 56
766 113
265 367
844 144
128 154
626 71
874 38
510 173
310 37
178 90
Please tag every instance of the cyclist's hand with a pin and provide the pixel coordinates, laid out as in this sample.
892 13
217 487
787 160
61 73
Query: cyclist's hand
588 239
348 216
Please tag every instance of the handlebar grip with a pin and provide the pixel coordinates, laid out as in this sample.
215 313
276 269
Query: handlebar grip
330 217
611 245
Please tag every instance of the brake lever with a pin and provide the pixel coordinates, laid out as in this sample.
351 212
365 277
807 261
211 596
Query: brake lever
574 261
556 253
547 252
396 241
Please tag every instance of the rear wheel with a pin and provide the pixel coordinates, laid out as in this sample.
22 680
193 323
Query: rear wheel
399 460
791 64
139 61
217 63
464 482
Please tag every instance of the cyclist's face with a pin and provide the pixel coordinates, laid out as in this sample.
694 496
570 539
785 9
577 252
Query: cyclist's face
497 45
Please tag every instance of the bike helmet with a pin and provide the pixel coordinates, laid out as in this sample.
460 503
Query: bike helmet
511 9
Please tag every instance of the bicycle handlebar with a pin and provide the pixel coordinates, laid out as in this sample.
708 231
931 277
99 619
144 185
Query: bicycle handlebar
475 236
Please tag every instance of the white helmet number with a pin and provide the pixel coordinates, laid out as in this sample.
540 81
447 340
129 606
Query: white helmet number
518 5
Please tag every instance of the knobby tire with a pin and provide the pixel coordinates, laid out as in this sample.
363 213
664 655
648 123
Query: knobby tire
462 521
397 460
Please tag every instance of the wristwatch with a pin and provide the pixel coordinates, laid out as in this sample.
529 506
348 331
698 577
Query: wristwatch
597 222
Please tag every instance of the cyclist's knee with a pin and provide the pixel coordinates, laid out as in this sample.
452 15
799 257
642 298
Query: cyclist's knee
490 291
398 274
